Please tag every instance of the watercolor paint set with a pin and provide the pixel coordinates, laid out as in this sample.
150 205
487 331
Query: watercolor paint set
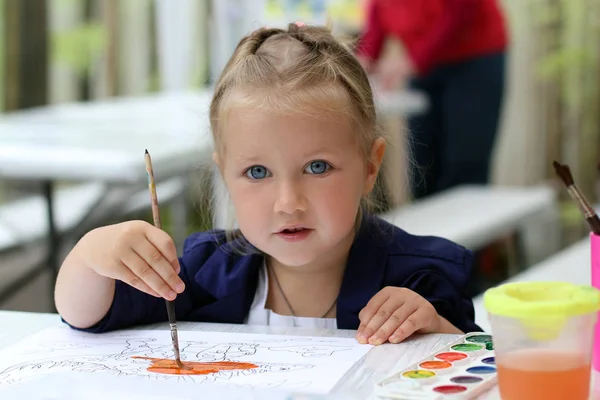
464 369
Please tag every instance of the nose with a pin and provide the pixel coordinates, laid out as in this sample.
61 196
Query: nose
290 198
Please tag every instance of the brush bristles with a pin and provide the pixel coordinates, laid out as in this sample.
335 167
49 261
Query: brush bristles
586 209
564 172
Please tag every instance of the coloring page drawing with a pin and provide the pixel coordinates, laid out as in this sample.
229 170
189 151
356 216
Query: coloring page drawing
309 364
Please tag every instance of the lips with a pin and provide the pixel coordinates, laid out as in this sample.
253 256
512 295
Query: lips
294 233
291 230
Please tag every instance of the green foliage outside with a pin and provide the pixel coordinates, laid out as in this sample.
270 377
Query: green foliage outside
576 54
81 47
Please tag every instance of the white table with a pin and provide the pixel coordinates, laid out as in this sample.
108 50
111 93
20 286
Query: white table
474 215
104 141
379 362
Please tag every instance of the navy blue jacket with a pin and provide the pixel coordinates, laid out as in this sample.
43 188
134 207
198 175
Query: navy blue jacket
220 284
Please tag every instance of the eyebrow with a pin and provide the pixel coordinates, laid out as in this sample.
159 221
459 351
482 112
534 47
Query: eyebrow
324 150
245 160
308 155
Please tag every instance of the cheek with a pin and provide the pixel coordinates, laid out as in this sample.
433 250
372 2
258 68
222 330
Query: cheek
242 190
251 220
248 201
341 195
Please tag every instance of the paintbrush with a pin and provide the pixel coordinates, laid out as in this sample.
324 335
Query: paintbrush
564 172
157 223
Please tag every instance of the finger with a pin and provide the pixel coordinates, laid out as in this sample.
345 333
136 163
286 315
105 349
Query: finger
372 306
379 318
153 257
395 320
163 242
147 274
133 280
410 325
370 309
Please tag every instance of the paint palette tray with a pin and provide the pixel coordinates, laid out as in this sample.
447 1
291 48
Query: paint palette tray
464 369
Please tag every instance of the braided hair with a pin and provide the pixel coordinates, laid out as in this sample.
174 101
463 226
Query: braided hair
301 69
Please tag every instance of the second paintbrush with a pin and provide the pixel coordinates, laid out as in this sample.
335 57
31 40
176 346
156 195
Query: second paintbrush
588 212
157 223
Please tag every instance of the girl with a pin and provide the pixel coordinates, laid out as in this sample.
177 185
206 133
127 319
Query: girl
296 143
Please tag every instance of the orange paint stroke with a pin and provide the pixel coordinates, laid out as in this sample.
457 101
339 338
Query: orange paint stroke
166 366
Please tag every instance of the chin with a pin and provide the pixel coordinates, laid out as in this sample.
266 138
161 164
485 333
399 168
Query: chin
295 262
293 259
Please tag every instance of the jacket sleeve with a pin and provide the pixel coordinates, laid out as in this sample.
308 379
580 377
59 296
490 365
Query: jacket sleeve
449 302
132 307
447 295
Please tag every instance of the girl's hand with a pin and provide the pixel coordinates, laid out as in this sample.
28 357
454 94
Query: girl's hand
136 253
394 314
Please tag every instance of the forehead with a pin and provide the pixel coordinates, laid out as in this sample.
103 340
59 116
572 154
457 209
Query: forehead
259 131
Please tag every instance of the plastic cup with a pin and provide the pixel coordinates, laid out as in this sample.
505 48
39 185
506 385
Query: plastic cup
543 339
595 247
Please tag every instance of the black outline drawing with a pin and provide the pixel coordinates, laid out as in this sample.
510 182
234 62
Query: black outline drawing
311 350
96 355
135 367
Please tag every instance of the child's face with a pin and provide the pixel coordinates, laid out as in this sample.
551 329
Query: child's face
290 171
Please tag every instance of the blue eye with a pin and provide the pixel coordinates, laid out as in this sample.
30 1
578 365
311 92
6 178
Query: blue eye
317 167
257 172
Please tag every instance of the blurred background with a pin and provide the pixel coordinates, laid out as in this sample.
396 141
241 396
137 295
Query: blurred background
87 85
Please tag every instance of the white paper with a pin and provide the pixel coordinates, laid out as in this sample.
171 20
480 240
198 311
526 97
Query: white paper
61 387
291 363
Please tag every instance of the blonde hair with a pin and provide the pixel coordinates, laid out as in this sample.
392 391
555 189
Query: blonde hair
301 69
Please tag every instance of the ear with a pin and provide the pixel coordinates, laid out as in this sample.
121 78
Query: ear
216 159
374 165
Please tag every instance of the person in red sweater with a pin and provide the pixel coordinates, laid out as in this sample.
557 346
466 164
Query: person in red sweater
455 54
